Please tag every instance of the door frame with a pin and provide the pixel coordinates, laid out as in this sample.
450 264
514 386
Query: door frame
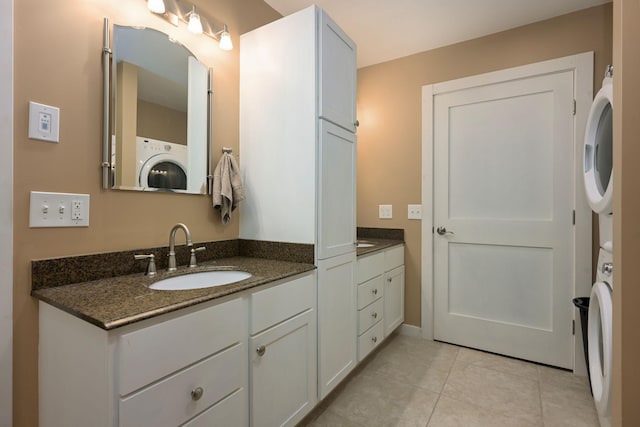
6 213
582 67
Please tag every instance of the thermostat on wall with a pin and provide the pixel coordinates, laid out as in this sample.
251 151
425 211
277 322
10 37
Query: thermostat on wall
44 122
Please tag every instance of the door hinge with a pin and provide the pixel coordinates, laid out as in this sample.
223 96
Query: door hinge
573 327
574 107
574 217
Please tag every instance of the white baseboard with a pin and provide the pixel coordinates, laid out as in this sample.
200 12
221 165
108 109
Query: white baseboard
409 330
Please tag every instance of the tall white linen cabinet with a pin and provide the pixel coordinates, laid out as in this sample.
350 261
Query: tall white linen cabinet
298 163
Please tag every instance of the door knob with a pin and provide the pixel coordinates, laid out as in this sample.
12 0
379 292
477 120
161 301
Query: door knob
442 231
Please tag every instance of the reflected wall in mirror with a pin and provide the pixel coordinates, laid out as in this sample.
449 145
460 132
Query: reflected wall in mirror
159 125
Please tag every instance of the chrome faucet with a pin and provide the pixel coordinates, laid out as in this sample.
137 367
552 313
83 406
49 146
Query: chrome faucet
172 243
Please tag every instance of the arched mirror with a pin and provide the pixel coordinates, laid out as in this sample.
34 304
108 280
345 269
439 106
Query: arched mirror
158 113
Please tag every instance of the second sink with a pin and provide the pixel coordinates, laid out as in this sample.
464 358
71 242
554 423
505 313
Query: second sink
204 279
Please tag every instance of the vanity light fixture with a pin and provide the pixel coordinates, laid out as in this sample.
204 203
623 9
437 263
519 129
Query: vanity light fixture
156 6
174 11
225 39
194 25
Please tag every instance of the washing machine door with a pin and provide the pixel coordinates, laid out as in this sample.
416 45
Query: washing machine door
600 346
598 150
162 172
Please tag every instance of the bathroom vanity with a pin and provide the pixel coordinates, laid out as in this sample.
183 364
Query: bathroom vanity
211 363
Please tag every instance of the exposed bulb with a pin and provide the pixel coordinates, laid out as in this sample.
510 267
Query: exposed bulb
156 6
194 25
225 39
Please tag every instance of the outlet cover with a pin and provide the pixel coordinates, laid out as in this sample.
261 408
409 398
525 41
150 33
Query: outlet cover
385 211
58 210
414 211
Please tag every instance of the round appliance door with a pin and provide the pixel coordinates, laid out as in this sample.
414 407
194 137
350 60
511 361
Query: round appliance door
600 346
598 151
163 172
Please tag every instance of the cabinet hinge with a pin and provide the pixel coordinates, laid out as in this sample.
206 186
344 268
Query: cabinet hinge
574 107
574 217
433 230
573 327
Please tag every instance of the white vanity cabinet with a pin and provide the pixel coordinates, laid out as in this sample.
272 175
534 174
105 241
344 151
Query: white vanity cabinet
370 302
282 353
298 163
184 367
380 297
244 359
394 289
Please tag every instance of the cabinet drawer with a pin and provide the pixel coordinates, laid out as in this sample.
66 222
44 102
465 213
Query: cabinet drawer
393 258
273 305
169 402
370 340
370 291
370 315
231 411
370 266
159 350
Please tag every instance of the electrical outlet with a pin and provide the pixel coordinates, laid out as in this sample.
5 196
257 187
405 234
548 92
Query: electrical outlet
414 211
58 210
385 211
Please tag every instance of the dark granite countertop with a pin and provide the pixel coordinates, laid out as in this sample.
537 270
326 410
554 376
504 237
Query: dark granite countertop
378 245
114 302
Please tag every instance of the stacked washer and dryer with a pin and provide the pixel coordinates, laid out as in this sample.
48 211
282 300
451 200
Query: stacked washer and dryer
598 169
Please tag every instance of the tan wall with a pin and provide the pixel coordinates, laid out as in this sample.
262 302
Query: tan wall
163 123
389 111
58 62
626 211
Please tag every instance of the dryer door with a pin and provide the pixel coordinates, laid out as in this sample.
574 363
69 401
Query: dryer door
600 346
163 172
598 150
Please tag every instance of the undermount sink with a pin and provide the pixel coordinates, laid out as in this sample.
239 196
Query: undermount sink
364 245
204 279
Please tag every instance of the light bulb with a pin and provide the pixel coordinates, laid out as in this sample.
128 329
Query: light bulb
156 6
225 39
194 25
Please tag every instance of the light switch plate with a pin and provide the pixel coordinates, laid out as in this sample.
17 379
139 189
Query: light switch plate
414 211
44 122
385 211
58 210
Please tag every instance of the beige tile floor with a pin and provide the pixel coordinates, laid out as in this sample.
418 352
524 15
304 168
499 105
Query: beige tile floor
414 382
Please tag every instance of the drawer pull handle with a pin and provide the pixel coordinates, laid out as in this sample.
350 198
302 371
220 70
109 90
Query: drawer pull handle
261 350
374 339
197 393
374 315
375 291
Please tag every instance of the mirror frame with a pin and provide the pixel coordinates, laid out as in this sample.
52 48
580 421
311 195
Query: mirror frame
106 165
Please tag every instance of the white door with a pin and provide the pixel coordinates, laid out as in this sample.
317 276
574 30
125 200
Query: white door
283 362
337 188
337 75
503 205
337 321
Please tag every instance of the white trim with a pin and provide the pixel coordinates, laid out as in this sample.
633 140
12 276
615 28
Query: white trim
6 212
409 330
582 67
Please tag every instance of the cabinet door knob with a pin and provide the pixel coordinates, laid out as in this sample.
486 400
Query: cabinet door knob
374 315
357 123
375 291
389 279
197 393
374 339
261 350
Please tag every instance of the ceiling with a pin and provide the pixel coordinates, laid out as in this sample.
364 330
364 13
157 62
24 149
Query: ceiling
390 29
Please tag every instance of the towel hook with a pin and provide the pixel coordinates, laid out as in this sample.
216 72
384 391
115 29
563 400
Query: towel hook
227 150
